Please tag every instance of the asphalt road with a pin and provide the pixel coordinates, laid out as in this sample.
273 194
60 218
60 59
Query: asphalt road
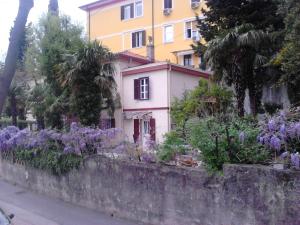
33 209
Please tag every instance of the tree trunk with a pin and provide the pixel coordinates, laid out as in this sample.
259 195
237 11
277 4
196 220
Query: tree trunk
40 123
240 95
14 112
13 48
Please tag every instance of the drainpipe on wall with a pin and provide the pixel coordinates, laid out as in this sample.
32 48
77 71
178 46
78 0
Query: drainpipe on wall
169 96
89 25
153 39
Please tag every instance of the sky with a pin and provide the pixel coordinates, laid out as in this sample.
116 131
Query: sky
9 9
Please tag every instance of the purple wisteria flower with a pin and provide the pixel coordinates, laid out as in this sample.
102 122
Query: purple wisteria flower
78 140
295 160
242 137
282 133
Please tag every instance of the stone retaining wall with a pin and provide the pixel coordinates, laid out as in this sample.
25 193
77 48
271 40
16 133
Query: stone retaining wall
161 195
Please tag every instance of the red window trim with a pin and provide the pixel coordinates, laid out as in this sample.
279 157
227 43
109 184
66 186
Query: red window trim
146 109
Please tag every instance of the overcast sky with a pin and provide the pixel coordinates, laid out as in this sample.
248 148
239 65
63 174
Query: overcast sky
9 9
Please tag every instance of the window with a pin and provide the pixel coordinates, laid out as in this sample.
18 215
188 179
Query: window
146 127
144 83
138 39
188 60
168 34
132 10
141 88
167 4
195 1
126 12
191 31
107 124
138 8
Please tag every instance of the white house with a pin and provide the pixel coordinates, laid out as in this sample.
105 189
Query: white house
146 92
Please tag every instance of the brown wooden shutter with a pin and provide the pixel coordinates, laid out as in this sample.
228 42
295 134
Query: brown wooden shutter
113 123
144 38
132 10
137 89
136 130
133 40
148 87
122 12
152 129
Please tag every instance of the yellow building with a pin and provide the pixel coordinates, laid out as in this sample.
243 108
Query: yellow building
129 25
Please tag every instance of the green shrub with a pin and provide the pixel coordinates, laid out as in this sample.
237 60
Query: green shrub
172 146
227 142
55 162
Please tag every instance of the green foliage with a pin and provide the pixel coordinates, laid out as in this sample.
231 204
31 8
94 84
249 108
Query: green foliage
89 75
227 142
224 15
53 161
49 42
289 56
37 103
241 38
173 145
207 99
238 58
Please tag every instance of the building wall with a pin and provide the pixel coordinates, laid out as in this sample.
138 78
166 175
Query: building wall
162 125
158 91
116 33
181 83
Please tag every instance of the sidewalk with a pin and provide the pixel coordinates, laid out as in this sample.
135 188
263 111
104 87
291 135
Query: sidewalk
33 209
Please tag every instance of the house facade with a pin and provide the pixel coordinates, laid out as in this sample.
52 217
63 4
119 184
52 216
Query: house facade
146 92
168 25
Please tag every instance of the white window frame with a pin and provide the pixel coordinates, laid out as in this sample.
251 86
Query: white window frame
144 88
146 126
199 1
164 33
193 31
192 61
140 38
142 4
125 7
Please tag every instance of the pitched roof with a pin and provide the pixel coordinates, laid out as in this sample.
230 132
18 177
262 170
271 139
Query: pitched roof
99 4
133 56
166 66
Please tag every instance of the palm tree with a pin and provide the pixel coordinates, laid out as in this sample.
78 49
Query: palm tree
236 58
89 75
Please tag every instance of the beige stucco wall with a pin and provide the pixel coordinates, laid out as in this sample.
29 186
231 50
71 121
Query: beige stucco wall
158 90
162 125
180 83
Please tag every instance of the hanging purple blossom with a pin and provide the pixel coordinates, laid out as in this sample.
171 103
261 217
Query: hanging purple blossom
295 160
242 137
275 143
272 125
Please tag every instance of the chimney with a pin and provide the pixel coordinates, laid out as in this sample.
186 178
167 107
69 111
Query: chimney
150 50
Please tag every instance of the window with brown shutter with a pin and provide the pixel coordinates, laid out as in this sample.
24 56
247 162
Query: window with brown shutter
136 130
127 11
137 89
138 39
152 129
142 88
